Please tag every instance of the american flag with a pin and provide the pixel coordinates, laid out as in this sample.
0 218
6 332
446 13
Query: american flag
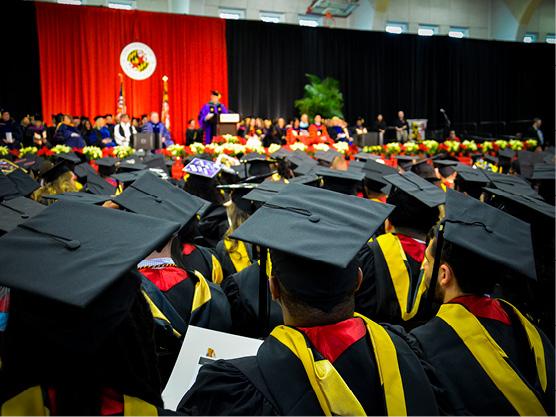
121 99
165 113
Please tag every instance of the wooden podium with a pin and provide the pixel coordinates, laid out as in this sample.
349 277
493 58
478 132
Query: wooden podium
227 124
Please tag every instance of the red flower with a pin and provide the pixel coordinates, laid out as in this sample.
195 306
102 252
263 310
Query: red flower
107 151
15 152
45 151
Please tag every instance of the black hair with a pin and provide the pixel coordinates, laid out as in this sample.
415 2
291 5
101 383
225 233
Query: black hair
410 213
474 274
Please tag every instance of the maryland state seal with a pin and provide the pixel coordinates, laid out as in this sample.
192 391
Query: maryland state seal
138 61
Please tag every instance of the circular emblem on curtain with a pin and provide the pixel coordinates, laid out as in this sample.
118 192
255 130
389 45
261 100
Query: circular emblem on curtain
138 61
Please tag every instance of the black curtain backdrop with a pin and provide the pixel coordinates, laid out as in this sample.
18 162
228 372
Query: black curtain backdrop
473 80
20 88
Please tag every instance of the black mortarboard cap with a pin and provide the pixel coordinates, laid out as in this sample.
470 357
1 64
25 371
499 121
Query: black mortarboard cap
69 157
151 196
265 191
155 161
49 171
106 165
511 184
304 166
80 249
315 224
364 156
309 179
8 189
97 185
131 164
127 178
425 170
328 156
471 175
417 187
80 197
446 167
491 159
82 170
281 153
16 211
23 182
543 171
345 182
527 161
507 153
374 174
356 165
406 161
533 204
489 233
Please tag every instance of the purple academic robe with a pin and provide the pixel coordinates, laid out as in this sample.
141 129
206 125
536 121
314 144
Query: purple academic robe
209 126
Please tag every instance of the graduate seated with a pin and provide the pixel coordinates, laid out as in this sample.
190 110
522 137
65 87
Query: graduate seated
67 134
56 178
393 287
79 341
325 360
179 295
504 365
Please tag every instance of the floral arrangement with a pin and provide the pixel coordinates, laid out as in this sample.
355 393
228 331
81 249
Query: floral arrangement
410 148
273 147
531 144
320 147
60 149
122 151
450 146
487 147
298 146
176 150
27 150
4 151
430 146
469 146
393 148
92 152
342 147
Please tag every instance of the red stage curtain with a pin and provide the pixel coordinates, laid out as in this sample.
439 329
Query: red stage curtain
80 49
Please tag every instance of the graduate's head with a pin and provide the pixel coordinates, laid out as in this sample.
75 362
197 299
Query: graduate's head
318 119
379 118
281 122
314 236
305 118
312 292
401 115
417 204
66 118
474 246
124 118
191 124
76 120
154 117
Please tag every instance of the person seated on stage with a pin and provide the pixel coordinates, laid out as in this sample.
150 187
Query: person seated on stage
79 340
35 134
293 132
86 127
124 130
279 132
452 136
325 359
135 123
359 128
158 129
393 287
402 128
10 132
66 134
143 120
505 365
338 130
193 134
304 125
100 135
110 125
318 131
76 122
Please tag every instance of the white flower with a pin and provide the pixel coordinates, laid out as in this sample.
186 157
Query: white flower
321 147
273 147
298 146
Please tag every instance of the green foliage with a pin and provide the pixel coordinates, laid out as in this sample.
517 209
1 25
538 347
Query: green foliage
321 97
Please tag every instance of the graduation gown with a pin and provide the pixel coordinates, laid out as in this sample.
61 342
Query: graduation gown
278 380
204 260
213 224
234 261
41 401
242 290
178 298
209 126
393 289
481 381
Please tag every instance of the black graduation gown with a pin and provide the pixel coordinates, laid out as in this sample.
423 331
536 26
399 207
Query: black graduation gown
228 267
275 383
470 389
242 290
203 260
213 224
376 298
